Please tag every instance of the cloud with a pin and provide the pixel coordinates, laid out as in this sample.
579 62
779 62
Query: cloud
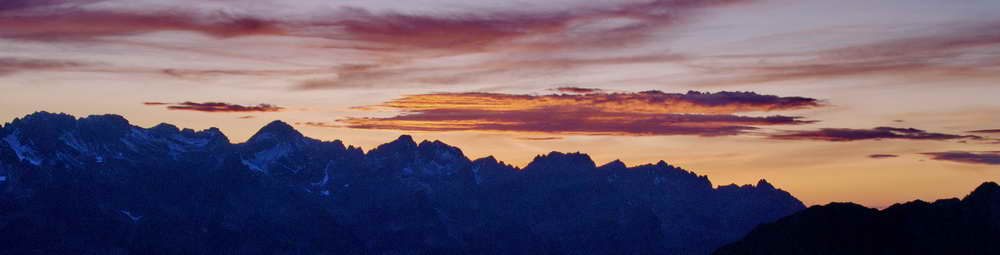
481 31
547 138
14 65
22 5
395 44
247 117
878 133
318 124
360 28
501 69
78 21
200 73
646 102
949 50
970 157
985 131
577 90
881 156
561 120
629 114
216 107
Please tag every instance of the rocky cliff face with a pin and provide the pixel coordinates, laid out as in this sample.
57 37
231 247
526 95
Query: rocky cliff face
949 226
98 185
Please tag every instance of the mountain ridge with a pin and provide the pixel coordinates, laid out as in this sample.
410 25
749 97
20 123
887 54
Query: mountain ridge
970 225
421 198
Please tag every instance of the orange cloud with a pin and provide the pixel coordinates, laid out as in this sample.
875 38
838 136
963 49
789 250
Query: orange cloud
216 107
647 102
643 113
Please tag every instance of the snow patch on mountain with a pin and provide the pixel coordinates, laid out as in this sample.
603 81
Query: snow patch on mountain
176 150
23 152
74 142
261 160
326 175
128 144
134 218
195 142
475 173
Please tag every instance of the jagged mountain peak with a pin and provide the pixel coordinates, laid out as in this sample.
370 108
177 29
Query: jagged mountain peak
561 160
986 192
486 160
106 126
46 116
405 140
664 164
41 121
111 119
763 184
276 130
439 149
165 128
616 164
403 143
278 126
432 144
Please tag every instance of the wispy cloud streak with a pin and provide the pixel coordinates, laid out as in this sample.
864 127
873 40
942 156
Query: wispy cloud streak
969 157
878 133
986 131
881 156
961 50
216 107
14 65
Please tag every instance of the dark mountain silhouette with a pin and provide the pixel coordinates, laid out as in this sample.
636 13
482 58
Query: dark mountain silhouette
98 185
948 226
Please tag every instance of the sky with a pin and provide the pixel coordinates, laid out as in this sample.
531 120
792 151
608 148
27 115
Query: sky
874 102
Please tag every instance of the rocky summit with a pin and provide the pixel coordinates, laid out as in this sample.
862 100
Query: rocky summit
99 185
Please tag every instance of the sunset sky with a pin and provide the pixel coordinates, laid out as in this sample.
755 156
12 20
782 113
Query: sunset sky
874 102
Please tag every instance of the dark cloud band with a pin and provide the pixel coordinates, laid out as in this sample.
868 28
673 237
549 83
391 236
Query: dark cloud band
969 157
878 133
216 107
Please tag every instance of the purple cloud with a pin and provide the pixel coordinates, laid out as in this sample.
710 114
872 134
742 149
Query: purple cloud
969 157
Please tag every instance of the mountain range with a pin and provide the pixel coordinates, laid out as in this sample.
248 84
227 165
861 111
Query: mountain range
970 226
99 185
